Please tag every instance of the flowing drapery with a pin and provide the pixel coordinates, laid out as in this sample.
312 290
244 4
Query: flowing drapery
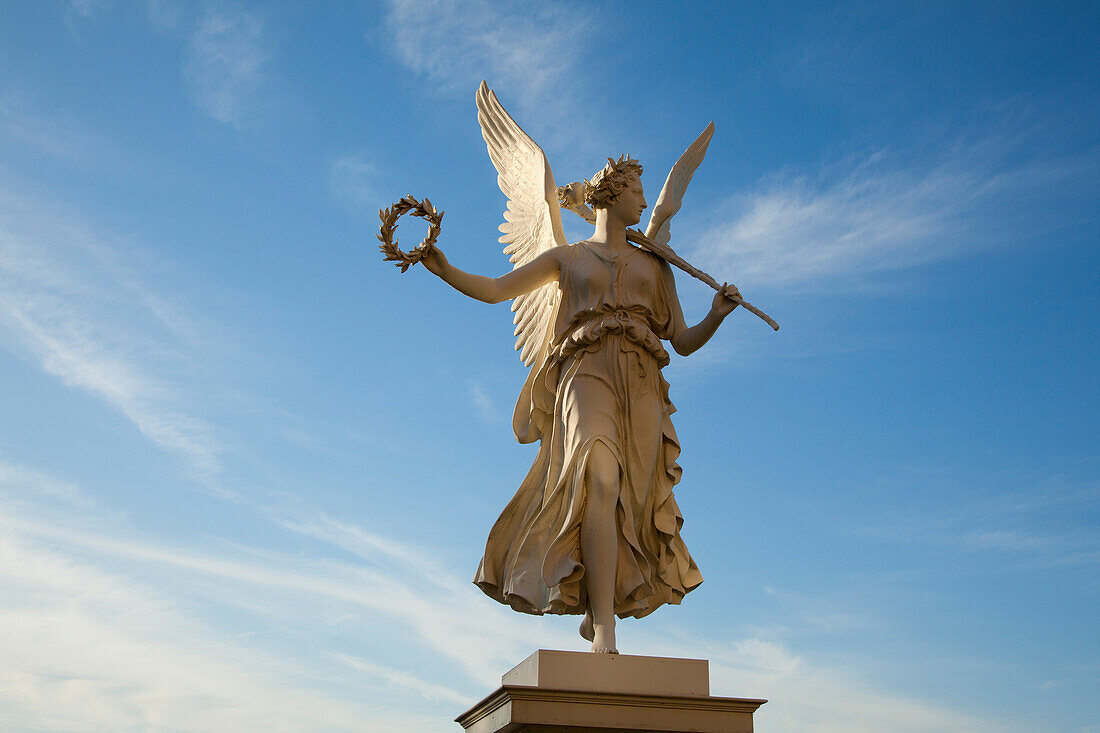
598 380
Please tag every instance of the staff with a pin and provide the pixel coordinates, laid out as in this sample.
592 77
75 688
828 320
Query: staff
668 255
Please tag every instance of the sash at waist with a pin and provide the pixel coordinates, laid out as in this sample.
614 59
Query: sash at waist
588 328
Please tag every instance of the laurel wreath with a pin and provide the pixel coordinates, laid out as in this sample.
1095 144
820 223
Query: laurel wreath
389 217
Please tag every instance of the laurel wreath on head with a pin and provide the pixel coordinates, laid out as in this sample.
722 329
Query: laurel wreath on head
389 217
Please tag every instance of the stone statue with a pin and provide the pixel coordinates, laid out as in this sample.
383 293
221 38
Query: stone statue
594 528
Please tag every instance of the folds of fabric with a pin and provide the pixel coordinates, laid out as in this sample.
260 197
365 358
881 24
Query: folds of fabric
598 381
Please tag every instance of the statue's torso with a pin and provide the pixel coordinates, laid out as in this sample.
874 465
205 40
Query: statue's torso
606 294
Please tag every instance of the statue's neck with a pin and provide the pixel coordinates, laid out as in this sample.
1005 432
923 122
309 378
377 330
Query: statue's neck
609 231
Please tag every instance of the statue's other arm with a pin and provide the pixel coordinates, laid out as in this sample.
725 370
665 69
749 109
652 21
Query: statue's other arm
687 340
539 271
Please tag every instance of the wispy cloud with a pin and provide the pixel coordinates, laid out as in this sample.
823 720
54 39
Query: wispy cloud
163 14
445 612
23 123
134 602
532 49
403 679
73 303
22 483
875 213
354 178
807 695
1045 527
69 303
484 403
1073 675
91 8
817 699
161 654
86 648
539 57
226 60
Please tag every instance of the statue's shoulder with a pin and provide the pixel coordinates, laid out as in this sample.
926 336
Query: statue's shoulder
558 253
567 255
654 261
567 251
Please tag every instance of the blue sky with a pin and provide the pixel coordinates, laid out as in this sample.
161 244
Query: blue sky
247 469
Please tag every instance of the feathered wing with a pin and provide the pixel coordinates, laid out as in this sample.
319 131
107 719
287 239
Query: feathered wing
532 221
672 195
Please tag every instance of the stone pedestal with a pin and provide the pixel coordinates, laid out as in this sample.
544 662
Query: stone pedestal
581 692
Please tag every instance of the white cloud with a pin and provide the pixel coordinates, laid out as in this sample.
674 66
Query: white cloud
25 483
91 8
447 614
163 14
542 59
875 214
794 229
129 616
108 648
534 54
805 695
402 679
22 122
225 68
354 178
484 403
85 649
1043 527
69 303
1009 542
820 700
531 49
74 304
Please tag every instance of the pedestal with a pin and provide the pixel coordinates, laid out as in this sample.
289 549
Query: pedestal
581 692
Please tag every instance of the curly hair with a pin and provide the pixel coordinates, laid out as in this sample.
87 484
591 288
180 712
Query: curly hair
608 183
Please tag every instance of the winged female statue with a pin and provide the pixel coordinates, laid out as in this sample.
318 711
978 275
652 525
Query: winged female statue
594 528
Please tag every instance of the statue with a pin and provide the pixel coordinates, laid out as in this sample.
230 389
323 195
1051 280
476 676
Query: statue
594 528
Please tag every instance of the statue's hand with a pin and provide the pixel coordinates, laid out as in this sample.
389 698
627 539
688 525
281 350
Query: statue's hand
435 261
724 303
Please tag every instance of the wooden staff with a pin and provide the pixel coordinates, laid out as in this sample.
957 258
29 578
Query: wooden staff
668 255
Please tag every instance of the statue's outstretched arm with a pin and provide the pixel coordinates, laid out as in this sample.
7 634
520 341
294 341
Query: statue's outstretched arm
686 340
525 278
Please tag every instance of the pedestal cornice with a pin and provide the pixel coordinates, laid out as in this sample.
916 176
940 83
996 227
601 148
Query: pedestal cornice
529 708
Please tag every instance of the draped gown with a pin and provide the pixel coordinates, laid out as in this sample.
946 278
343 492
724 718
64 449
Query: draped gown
598 380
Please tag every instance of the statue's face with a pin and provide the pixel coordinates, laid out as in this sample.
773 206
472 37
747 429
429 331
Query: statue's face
630 203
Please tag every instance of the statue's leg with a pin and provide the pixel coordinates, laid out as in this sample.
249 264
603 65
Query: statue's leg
599 545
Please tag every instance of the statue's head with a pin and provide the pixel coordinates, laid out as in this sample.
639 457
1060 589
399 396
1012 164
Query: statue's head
601 191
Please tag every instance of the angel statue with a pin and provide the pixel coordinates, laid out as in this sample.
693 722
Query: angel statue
594 528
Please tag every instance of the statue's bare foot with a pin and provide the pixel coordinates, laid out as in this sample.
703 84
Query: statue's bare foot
587 633
603 639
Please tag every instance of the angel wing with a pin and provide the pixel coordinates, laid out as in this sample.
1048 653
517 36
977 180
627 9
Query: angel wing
672 195
532 221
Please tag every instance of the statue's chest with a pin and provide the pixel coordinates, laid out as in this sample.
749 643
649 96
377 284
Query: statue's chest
627 279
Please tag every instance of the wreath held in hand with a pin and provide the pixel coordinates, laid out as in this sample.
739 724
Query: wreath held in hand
389 217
